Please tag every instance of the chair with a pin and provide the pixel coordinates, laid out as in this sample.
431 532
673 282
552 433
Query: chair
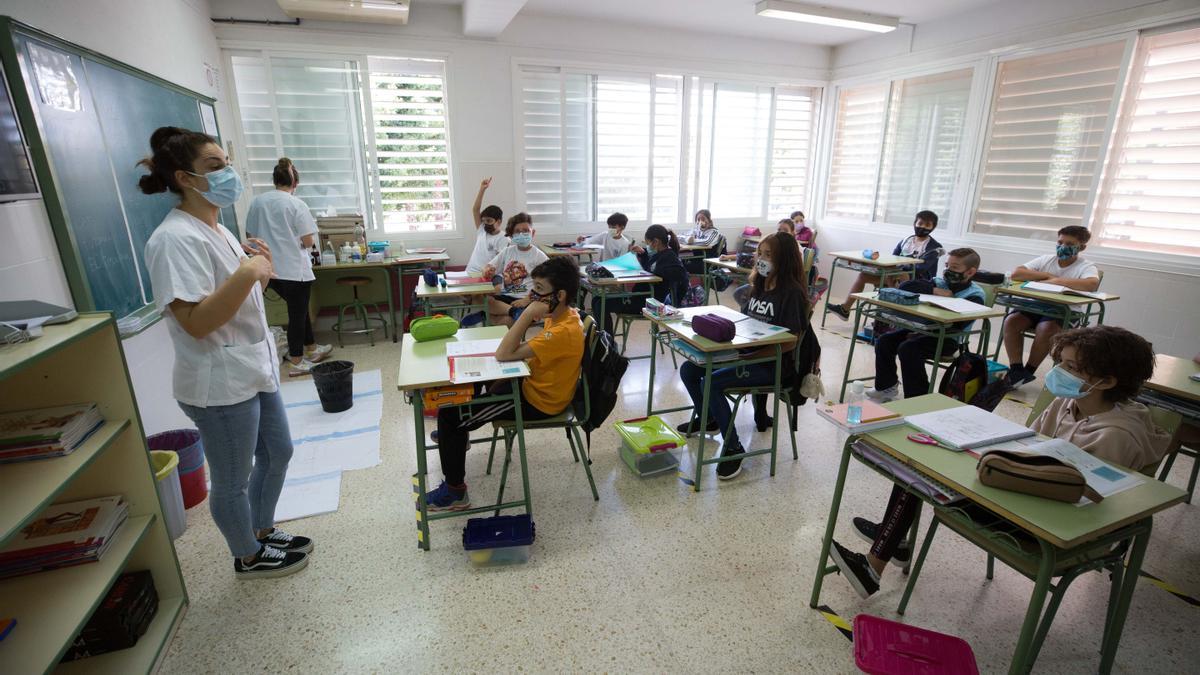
566 420
623 324
735 395
360 312
1194 453
1079 322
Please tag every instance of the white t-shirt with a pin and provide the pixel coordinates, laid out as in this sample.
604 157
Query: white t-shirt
280 219
912 247
1080 269
487 246
514 265
612 247
188 260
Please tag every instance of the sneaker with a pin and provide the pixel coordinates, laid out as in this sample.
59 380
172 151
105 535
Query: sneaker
1019 375
730 470
856 569
297 369
433 435
445 499
269 563
472 319
288 543
840 311
692 427
318 353
867 531
884 395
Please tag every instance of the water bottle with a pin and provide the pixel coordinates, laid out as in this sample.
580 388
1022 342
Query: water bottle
854 411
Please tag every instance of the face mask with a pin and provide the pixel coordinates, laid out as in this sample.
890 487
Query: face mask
921 231
1066 252
523 239
763 267
1065 385
551 298
224 187
490 228
614 233
954 278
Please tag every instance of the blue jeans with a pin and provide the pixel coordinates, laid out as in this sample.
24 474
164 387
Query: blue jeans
723 379
247 446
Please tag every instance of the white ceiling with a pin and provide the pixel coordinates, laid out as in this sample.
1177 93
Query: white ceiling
737 17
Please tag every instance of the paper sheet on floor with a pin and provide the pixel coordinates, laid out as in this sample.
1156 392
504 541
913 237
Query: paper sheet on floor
309 496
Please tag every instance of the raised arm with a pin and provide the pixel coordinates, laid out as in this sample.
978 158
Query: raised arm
478 205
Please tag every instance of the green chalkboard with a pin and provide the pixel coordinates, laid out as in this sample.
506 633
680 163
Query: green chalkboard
89 120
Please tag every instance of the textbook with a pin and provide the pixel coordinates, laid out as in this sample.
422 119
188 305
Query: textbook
958 305
699 356
967 427
63 535
1056 288
874 417
46 432
466 281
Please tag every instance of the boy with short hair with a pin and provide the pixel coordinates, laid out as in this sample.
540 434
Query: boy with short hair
489 239
1064 267
613 239
555 356
913 348
509 271
917 245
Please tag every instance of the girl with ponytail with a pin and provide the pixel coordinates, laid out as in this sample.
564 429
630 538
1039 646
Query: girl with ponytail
659 255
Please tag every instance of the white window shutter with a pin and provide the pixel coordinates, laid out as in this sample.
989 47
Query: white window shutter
857 136
791 149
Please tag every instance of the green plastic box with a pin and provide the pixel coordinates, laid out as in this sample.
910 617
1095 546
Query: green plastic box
647 443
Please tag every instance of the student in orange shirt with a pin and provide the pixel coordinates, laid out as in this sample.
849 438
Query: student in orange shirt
555 357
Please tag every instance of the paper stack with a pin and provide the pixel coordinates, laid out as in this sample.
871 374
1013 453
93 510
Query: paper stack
46 432
63 535
874 416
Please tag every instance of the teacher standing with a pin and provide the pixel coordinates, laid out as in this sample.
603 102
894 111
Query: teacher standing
225 377
283 221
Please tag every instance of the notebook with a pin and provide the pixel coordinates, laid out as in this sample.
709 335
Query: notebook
874 416
959 305
968 427
1057 288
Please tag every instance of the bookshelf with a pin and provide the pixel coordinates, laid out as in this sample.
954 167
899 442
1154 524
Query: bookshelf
73 363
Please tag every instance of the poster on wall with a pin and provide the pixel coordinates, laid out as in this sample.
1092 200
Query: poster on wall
55 77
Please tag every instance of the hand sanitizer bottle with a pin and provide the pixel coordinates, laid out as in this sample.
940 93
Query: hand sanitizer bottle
854 411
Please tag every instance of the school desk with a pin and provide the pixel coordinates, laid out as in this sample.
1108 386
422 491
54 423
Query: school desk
1172 388
423 365
921 318
615 288
1072 311
730 266
426 295
1070 540
885 267
668 330
402 266
578 253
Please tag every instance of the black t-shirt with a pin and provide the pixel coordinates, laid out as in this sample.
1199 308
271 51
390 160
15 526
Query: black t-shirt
785 307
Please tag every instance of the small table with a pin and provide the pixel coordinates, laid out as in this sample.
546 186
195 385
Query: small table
1059 306
885 267
680 328
1172 388
424 366
408 265
577 252
615 287
922 318
426 294
1061 530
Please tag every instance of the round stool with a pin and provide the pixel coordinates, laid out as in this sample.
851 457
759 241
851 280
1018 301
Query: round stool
359 309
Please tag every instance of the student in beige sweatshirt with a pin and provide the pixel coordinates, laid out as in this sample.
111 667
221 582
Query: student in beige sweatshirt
1097 372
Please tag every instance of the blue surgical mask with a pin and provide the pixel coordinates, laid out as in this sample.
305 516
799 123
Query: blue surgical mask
224 186
763 267
523 239
1065 385
1066 252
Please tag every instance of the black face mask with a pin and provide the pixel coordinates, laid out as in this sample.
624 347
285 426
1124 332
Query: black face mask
921 231
490 229
955 279
551 298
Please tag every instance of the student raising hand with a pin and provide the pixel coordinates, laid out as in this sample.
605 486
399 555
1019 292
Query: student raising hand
485 183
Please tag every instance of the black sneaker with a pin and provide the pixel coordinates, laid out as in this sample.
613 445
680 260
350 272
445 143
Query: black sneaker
867 531
269 563
288 543
840 311
856 569
763 423
692 426
730 469
1019 375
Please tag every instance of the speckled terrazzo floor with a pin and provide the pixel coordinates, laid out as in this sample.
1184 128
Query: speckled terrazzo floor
652 578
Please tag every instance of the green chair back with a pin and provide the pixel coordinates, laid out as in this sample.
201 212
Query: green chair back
1039 406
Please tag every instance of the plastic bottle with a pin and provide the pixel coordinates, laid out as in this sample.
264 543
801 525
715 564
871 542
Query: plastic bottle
328 257
854 410
346 255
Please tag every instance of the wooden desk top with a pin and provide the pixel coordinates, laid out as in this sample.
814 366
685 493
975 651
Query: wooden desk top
426 291
424 364
730 265
577 252
1172 376
682 330
1053 298
620 281
415 259
884 260
930 312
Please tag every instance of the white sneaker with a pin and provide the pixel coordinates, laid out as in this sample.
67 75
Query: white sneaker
884 395
318 353
303 368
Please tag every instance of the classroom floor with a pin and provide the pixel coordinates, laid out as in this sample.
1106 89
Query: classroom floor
652 578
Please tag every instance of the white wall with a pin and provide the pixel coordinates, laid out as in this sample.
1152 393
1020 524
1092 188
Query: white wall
172 39
479 74
1160 305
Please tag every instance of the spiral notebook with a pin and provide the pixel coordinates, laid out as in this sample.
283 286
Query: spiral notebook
967 427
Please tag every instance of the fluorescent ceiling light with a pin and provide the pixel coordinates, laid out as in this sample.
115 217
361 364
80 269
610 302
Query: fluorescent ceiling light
826 16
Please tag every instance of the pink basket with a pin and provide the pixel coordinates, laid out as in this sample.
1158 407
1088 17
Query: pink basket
883 647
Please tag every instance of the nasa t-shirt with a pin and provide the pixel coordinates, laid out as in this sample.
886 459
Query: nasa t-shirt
787 308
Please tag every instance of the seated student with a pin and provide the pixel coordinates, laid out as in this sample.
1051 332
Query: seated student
918 245
660 257
613 240
1063 267
555 356
489 241
509 270
805 236
778 296
704 234
913 348
1098 371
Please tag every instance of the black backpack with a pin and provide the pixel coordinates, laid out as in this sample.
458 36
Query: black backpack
966 377
603 366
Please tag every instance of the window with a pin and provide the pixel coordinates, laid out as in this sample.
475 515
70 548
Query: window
921 146
1049 114
1150 197
791 149
307 110
858 135
734 145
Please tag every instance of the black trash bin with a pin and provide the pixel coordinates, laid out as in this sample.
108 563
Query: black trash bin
335 385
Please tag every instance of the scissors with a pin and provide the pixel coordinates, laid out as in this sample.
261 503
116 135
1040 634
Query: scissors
926 439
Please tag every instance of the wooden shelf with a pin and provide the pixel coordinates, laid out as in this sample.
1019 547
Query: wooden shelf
139 658
26 488
55 605
14 358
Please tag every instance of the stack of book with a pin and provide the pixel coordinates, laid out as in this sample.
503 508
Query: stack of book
873 417
63 535
46 432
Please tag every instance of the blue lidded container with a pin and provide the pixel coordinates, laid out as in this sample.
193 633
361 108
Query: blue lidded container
498 540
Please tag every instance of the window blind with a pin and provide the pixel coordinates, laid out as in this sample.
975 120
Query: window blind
1151 192
668 148
623 127
741 119
791 149
857 137
1049 114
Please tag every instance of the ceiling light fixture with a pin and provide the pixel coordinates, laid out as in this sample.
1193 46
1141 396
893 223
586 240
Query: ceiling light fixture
826 16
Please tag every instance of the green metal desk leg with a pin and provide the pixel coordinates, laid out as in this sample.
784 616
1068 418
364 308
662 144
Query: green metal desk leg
1021 661
418 403
829 292
397 328
653 362
778 387
1008 310
912 536
937 357
915 572
830 522
1133 568
708 368
519 423
850 355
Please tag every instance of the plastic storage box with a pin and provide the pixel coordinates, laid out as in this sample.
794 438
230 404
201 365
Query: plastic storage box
647 443
499 540
882 646
995 371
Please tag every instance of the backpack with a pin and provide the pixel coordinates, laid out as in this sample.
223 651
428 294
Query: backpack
721 280
603 368
966 377
598 271
694 297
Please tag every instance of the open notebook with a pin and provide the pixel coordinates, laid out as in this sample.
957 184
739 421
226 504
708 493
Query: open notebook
967 427
1056 288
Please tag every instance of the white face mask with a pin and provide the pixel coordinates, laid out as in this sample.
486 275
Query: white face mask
615 233
763 267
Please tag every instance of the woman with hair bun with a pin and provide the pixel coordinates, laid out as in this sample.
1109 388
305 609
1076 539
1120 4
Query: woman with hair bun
285 223
226 375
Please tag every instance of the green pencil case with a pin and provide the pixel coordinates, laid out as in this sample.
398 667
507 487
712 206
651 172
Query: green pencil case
434 327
